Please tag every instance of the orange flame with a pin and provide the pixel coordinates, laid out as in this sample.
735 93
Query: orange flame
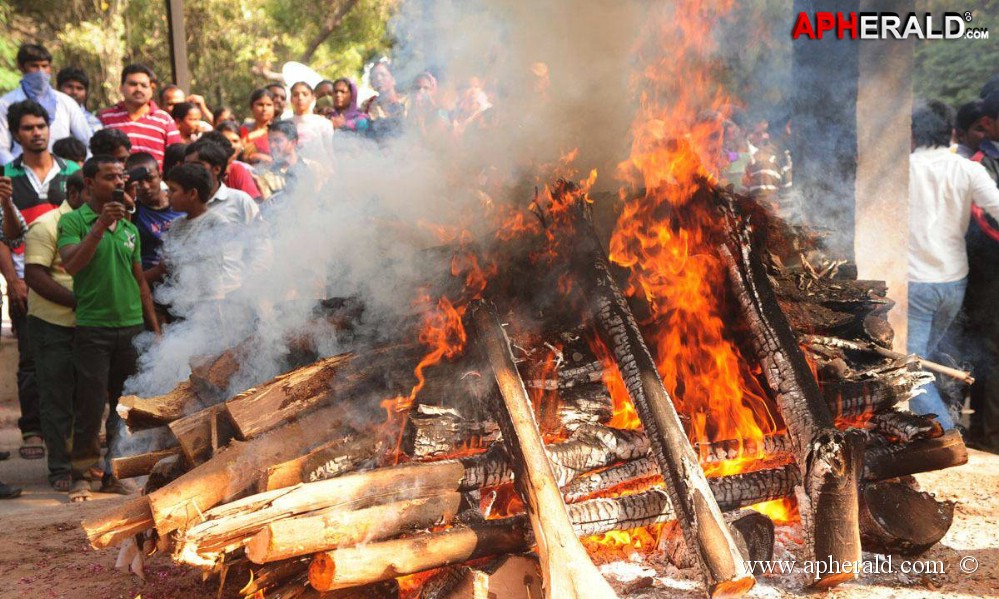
781 511
622 544
667 237
443 332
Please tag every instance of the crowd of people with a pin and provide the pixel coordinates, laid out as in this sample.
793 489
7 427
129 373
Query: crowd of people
123 221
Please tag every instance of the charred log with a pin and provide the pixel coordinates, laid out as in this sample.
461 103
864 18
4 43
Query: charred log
828 457
884 460
906 426
894 518
703 526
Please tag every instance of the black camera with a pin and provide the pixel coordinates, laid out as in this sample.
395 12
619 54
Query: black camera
139 173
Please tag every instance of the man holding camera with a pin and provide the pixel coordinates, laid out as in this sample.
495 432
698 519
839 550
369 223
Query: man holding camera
37 184
100 249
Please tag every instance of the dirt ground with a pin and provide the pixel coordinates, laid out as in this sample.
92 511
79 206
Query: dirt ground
44 553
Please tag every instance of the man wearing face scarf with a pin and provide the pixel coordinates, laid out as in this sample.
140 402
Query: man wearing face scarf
66 118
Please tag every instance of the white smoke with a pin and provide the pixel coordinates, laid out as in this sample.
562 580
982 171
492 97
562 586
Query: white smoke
557 75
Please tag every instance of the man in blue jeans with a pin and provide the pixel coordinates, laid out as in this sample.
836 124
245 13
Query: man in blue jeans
942 187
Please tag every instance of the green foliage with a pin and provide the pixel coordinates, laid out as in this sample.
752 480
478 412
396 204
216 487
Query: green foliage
954 71
234 46
9 75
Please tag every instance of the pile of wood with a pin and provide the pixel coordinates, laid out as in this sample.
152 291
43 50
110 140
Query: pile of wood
292 488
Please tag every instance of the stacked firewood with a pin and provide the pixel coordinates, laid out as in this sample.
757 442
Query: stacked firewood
503 452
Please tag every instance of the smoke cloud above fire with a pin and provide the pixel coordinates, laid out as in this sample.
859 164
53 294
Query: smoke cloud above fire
562 78
557 77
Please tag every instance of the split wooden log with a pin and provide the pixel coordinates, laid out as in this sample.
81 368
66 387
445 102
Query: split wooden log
897 519
229 525
210 375
770 447
286 397
828 456
961 375
331 528
235 470
855 397
124 521
331 459
363 564
148 412
754 534
202 433
373 562
704 530
435 431
731 492
140 464
566 569
274 575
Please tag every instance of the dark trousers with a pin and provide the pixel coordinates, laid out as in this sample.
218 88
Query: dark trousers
52 346
984 429
104 358
27 385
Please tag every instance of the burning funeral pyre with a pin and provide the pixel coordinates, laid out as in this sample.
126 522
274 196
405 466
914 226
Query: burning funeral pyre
669 393
713 361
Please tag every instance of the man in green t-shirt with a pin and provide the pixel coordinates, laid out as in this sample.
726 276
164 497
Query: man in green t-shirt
99 247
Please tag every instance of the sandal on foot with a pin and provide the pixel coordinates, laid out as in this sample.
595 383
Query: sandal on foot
32 450
9 492
80 491
62 485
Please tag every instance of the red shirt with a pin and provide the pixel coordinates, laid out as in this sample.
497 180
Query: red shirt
238 176
151 132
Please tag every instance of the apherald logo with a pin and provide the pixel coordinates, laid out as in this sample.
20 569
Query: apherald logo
887 25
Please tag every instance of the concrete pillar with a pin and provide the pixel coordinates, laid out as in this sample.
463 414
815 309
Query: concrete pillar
884 121
852 103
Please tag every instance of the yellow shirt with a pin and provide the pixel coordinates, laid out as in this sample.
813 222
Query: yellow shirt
40 248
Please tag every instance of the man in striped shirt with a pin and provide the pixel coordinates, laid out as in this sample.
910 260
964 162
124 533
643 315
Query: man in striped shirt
149 128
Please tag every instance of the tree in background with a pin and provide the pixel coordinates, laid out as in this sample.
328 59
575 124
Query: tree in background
234 46
954 71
